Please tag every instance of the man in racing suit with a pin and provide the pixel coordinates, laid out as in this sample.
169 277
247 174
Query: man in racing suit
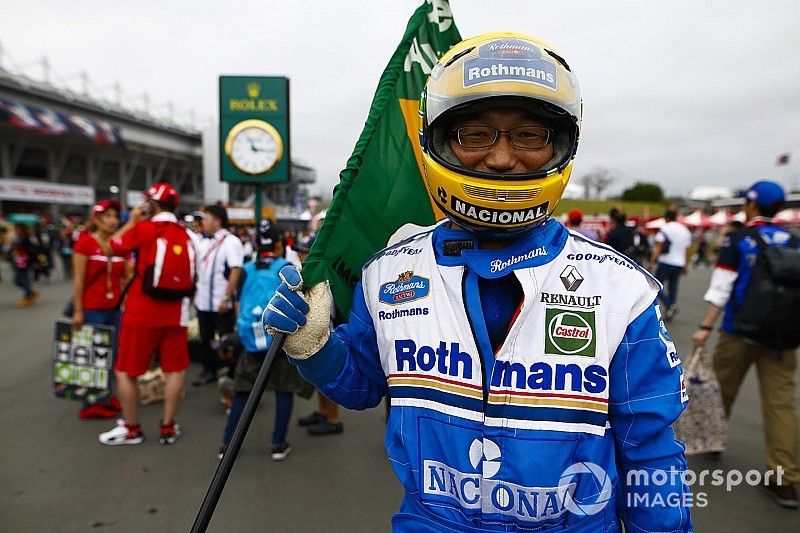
532 382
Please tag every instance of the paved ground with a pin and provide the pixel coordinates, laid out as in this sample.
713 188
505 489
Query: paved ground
54 476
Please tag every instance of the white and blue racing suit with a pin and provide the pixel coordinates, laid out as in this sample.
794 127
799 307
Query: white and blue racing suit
563 426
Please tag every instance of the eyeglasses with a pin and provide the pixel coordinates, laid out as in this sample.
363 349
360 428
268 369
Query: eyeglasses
524 137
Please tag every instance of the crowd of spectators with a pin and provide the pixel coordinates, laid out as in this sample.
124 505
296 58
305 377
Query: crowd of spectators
104 255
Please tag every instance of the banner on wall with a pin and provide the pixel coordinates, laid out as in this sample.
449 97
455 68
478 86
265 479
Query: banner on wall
45 192
48 122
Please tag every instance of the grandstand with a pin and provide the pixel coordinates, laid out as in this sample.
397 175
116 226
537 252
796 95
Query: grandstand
63 146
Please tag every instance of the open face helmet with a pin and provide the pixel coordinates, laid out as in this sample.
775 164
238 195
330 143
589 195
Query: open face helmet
490 71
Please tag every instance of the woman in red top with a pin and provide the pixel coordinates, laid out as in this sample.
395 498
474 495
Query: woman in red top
99 279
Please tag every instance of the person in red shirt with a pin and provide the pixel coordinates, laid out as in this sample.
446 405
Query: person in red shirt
97 290
149 325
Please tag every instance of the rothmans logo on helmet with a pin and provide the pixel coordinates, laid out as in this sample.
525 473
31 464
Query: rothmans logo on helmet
510 60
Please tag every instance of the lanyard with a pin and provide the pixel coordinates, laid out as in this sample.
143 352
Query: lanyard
109 268
217 244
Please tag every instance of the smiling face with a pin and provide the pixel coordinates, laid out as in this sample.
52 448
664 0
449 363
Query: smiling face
502 157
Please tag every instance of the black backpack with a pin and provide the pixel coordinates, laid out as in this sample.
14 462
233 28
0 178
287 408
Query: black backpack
665 246
770 313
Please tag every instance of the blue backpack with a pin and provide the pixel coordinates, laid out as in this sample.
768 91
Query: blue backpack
259 286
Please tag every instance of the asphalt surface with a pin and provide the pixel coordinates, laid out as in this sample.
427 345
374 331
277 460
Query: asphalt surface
55 476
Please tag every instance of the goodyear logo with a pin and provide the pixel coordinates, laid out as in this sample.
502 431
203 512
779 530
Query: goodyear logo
407 288
510 60
569 332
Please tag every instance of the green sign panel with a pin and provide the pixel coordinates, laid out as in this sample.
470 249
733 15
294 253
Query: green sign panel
254 129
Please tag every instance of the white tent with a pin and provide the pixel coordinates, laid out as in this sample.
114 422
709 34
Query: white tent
696 219
788 216
720 218
709 192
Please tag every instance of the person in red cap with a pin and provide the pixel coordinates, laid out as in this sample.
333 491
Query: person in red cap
151 323
574 220
97 287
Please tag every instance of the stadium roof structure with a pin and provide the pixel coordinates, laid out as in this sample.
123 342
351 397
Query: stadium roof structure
92 99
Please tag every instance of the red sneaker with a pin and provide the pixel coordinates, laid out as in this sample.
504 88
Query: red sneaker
169 433
97 411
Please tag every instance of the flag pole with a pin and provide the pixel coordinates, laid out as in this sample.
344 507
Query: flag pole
225 466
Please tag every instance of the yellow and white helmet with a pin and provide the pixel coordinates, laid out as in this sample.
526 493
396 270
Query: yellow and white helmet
498 70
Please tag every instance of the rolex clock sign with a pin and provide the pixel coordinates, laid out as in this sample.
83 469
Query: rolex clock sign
254 129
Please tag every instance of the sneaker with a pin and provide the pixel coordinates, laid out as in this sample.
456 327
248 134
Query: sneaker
280 451
123 433
221 452
313 419
34 296
671 312
326 428
204 379
23 302
784 495
97 410
168 433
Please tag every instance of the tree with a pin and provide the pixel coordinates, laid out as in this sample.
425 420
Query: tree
597 181
643 192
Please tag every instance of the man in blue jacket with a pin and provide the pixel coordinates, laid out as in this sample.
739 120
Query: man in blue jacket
735 354
532 382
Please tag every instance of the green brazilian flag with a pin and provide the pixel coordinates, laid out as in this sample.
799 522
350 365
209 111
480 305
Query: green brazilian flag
381 189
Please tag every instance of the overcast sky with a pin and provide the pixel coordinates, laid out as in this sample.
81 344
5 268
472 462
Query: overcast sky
679 92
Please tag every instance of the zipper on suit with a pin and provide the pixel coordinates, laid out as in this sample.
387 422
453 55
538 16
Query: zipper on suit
484 376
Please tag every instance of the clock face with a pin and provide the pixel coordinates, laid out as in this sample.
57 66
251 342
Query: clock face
254 147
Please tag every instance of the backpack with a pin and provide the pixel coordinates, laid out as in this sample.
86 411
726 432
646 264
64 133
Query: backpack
665 246
259 286
768 314
169 272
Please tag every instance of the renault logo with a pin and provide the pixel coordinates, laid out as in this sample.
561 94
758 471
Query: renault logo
571 278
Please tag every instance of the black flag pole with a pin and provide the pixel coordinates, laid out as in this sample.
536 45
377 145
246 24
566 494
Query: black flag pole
232 451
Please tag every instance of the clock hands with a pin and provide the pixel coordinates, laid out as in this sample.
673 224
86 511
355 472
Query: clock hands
254 147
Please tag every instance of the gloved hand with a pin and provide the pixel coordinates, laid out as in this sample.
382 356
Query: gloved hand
304 317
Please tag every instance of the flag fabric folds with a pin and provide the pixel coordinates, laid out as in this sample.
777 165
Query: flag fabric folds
381 188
